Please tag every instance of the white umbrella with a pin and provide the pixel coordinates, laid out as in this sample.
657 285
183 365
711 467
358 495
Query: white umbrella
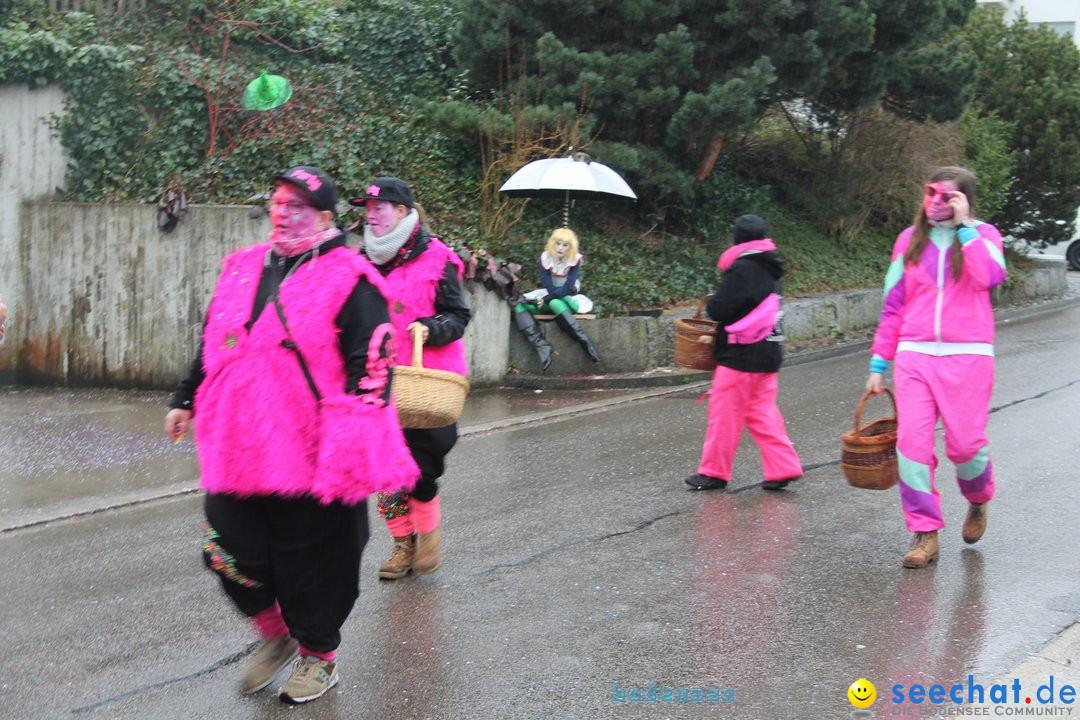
574 177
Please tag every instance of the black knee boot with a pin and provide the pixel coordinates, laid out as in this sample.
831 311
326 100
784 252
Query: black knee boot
526 323
571 327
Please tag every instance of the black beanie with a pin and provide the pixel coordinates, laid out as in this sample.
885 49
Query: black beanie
747 228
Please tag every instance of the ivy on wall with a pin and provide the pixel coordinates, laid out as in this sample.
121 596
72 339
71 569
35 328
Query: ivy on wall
153 103
154 99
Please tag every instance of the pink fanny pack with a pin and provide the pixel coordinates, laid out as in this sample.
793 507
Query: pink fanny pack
756 325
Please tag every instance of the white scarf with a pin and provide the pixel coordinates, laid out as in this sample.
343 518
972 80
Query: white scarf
381 250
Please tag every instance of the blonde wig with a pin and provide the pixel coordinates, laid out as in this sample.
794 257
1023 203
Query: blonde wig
563 235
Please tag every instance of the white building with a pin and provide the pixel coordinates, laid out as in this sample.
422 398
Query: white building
1061 16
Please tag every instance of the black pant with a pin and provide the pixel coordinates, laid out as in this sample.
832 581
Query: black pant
296 551
429 449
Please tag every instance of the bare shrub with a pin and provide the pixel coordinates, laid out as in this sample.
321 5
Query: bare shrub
512 134
889 159
868 168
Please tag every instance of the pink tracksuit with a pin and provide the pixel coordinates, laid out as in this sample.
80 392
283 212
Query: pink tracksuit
740 399
940 331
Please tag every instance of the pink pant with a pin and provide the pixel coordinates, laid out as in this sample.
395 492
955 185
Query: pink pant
955 388
745 399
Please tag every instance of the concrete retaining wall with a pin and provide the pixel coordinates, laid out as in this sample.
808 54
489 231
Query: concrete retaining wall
625 344
32 166
638 344
1045 280
109 300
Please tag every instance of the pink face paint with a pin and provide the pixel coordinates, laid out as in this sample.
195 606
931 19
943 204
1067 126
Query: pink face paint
293 221
381 215
936 200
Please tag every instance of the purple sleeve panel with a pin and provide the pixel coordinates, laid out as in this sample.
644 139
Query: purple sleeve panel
887 334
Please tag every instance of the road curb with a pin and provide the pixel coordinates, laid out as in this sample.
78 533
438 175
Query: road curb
579 409
660 377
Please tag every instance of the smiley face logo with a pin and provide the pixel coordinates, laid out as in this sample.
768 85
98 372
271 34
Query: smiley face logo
862 693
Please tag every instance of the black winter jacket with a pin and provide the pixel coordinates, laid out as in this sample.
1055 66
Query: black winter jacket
746 283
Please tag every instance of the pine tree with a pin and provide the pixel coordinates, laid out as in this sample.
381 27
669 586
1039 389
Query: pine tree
1030 79
665 84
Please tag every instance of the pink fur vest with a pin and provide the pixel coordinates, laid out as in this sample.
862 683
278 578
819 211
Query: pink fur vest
258 428
411 288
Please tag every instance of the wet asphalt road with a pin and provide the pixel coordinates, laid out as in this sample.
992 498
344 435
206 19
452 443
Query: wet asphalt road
578 565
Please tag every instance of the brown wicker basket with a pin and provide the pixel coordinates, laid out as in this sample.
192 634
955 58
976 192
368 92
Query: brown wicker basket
868 455
427 398
689 352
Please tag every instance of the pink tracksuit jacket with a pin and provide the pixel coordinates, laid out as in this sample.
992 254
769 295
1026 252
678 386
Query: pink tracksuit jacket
924 304
939 329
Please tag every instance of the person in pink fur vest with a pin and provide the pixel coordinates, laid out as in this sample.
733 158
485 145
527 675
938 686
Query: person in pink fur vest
291 390
423 281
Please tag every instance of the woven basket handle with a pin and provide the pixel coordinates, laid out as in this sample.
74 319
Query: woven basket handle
862 404
700 307
418 347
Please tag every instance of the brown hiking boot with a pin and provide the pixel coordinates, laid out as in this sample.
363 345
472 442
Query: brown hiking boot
401 559
974 523
924 549
429 555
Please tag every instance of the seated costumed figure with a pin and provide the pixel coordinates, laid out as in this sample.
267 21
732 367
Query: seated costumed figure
560 275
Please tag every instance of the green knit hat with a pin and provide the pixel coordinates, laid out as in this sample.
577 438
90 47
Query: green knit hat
267 92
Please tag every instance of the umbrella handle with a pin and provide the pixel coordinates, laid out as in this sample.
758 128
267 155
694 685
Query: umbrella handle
566 211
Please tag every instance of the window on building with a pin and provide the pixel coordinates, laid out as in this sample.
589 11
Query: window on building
1065 29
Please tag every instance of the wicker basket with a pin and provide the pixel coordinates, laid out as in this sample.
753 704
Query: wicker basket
868 455
427 398
689 352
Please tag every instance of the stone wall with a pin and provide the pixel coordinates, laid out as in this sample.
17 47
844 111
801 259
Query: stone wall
106 299
109 300
638 344
32 166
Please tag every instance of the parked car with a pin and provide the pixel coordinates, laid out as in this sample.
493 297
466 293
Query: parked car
1069 249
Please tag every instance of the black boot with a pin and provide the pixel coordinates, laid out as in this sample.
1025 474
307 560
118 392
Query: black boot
571 327
526 323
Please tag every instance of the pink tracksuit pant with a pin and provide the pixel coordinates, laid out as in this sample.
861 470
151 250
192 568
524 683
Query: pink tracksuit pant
957 389
745 399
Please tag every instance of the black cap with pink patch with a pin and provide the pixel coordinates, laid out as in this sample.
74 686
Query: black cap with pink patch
387 188
314 183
